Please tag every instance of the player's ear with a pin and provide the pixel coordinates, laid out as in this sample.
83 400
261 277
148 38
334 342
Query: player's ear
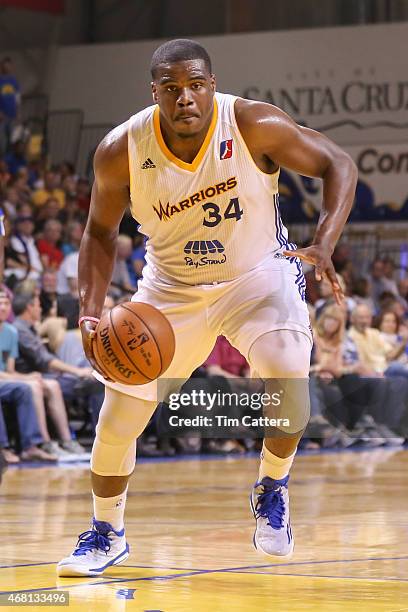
213 82
154 92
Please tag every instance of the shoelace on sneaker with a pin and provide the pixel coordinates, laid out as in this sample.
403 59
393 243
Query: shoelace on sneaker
270 503
92 540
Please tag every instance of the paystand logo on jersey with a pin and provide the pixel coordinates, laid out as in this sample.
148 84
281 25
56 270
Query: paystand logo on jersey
211 253
226 149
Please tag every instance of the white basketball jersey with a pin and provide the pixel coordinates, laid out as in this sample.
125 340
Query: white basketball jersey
206 221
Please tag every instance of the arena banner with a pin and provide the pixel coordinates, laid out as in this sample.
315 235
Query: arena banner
336 80
382 188
48 6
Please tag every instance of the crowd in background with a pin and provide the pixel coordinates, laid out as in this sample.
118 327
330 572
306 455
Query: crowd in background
359 380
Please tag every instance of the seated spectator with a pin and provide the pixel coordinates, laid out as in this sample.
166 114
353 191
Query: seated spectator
16 158
72 212
83 194
389 275
327 297
137 259
379 282
19 393
35 357
360 394
375 352
362 293
51 254
23 243
121 284
49 211
66 169
73 237
69 185
50 189
403 294
394 334
10 202
226 362
21 184
67 280
390 302
10 98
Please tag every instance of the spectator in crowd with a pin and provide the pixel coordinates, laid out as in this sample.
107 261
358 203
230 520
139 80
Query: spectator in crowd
23 243
73 237
69 185
51 255
48 293
83 195
375 352
49 211
16 158
362 293
18 392
66 169
395 335
121 283
50 189
388 301
10 202
137 259
226 363
68 276
389 276
72 212
380 283
34 356
10 99
403 294
360 394
20 183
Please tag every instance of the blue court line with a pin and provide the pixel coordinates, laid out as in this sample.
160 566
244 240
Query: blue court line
111 581
27 564
232 569
295 563
369 578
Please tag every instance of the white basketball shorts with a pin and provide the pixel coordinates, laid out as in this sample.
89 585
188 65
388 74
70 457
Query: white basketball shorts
267 298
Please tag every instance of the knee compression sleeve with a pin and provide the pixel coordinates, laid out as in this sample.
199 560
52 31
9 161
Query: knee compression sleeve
121 421
281 358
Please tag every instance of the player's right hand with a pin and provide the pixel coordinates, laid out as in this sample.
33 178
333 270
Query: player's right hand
88 335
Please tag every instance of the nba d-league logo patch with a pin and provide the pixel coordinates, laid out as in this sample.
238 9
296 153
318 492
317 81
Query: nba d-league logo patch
226 149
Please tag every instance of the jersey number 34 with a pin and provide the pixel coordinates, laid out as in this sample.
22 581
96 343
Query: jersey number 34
215 216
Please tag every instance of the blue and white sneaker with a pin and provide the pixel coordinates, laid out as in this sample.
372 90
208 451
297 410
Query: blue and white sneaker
270 506
96 550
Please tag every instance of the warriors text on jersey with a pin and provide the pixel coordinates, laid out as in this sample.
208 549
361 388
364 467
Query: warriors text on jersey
208 221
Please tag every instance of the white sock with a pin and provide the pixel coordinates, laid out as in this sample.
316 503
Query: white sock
110 509
273 466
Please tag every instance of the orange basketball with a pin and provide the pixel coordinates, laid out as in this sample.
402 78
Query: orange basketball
134 343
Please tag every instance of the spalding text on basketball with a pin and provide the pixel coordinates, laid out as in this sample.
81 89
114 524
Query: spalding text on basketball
110 353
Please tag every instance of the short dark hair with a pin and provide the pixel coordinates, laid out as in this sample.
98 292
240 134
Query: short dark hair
179 50
21 303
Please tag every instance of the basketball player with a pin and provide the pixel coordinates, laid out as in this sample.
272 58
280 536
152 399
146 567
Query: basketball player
202 171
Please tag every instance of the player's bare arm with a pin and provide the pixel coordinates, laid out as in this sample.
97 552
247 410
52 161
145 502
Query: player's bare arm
109 200
274 140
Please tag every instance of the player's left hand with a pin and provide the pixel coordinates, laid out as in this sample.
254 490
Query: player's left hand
320 258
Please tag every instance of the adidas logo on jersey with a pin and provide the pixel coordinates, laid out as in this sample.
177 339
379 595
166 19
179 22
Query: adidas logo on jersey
203 247
147 164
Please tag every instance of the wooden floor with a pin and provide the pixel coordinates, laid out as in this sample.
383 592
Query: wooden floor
190 532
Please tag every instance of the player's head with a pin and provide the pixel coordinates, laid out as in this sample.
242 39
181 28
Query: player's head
183 85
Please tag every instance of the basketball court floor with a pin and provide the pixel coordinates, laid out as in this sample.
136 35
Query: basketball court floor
190 532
